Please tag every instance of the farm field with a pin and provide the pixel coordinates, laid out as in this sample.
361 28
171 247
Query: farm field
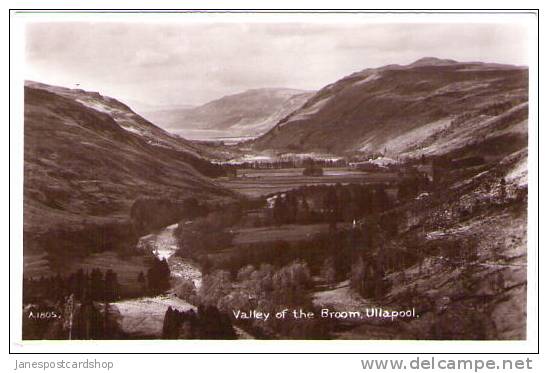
260 182
289 233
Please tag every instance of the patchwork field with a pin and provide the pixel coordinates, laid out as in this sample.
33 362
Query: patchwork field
260 182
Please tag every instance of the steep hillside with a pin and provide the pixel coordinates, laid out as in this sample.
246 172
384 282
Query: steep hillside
249 113
482 295
125 117
430 106
87 159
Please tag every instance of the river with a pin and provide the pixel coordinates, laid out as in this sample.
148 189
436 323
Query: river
163 245
144 317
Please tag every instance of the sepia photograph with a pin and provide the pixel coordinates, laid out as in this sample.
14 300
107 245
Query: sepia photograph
304 176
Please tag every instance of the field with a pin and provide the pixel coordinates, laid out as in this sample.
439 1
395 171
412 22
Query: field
260 182
144 317
289 233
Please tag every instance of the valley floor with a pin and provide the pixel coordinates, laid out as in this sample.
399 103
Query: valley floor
479 296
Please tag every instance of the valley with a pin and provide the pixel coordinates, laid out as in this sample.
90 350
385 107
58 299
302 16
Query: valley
400 187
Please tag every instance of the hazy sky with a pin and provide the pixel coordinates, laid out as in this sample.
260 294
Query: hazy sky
173 64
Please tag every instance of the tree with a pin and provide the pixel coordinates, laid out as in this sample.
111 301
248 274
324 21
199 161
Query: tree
290 283
96 285
345 204
357 276
331 206
382 202
207 323
291 209
303 211
215 286
328 270
368 279
186 290
78 283
312 169
111 286
142 281
158 276
279 210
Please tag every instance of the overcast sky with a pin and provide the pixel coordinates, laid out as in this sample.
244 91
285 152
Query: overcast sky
174 64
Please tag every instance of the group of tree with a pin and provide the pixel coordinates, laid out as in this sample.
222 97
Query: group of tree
286 207
312 168
330 203
73 320
75 306
271 288
205 323
93 286
288 163
208 233
93 321
339 246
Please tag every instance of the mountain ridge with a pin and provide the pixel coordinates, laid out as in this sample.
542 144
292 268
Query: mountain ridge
364 111
248 113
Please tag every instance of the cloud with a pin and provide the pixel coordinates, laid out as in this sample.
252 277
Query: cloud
194 62
150 58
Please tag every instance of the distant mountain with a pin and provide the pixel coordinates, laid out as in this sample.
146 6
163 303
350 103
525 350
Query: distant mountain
249 113
88 158
431 106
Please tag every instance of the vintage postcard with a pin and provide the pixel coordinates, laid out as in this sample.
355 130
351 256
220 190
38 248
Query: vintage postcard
275 176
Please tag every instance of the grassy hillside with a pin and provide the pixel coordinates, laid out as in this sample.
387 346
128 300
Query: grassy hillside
431 106
87 159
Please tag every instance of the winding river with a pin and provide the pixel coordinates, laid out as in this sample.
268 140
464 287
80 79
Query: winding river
144 317
163 245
